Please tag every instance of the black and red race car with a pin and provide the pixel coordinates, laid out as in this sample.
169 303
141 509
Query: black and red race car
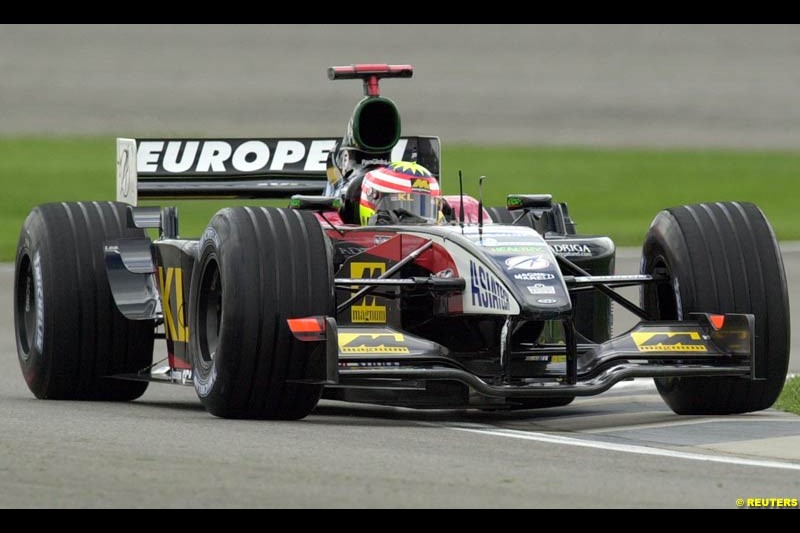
273 308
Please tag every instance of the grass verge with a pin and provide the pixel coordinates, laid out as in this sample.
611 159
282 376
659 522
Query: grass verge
610 191
789 400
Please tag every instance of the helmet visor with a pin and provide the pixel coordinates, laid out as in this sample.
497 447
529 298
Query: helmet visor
410 207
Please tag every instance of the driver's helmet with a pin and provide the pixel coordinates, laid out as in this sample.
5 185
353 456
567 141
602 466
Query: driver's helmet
400 193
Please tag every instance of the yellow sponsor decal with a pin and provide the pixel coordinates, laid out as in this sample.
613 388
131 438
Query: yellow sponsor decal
409 166
388 343
676 341
367 310
421 184
175 327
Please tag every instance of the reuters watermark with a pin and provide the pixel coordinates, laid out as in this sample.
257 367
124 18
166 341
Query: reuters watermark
767 503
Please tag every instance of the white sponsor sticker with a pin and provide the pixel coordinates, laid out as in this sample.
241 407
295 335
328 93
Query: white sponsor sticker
572 249
204 387
240 156
534 276
527 262
37 280
541 288
210 234
126 171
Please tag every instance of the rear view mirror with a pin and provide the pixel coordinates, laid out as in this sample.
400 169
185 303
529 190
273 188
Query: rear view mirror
529 201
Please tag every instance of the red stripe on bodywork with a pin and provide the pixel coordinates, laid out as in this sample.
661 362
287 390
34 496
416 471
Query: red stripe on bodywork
332 216
395 247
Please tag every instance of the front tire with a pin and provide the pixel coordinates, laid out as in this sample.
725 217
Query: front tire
721 258
70 334
258 267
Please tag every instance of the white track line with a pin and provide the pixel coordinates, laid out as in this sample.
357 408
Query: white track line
625 448
688 422
638 384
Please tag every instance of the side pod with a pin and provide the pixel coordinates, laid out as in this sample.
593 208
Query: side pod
130 268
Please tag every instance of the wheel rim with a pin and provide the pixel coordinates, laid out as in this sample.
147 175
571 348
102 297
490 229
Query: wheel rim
26 305
209 312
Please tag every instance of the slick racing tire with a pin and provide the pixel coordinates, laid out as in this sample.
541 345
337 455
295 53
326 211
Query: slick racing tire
720 258
257 267
70 334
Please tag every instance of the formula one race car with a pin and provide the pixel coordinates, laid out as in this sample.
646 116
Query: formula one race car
374 287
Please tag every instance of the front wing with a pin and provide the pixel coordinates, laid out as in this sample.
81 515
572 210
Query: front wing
380 358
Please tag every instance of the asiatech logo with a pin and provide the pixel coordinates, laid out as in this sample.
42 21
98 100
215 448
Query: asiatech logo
487 292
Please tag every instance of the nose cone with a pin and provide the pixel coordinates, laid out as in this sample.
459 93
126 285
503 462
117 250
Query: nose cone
529 269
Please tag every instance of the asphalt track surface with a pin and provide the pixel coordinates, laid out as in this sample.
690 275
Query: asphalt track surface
620 449
630 85
649 85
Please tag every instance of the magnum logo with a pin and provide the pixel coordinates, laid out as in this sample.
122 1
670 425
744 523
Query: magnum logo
677 341
389 343
367 310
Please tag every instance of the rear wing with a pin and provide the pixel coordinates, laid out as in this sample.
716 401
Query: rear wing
239 168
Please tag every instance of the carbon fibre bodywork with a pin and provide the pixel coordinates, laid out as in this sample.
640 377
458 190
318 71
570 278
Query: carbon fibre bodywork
464 316
471 312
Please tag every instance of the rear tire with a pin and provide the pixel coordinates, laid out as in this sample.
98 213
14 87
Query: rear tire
258 267
721 258
70 334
